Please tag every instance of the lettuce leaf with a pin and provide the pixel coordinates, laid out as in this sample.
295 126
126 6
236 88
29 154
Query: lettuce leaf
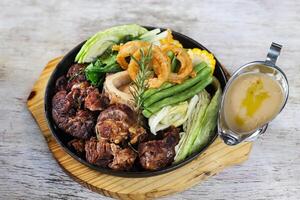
101 41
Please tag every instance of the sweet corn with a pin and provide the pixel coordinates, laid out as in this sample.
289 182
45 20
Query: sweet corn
198 55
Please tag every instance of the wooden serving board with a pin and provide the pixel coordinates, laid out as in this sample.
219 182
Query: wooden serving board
210 162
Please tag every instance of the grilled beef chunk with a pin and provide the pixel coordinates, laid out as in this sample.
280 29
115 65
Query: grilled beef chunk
117 123
98 152
60 104
89 96
62 108
137 134
118 112
68 108
75 75
95 101
78 93
113 123
61 83
105 154
114 131
123 158
171 136
78 145
156 154
79 124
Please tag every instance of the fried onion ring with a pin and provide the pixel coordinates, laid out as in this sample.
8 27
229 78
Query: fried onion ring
127 50
186 68
160 66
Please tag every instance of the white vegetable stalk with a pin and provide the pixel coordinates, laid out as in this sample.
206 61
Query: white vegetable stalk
154 36
172 115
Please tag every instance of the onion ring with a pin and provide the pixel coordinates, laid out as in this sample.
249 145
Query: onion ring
160 66
186 68
127 50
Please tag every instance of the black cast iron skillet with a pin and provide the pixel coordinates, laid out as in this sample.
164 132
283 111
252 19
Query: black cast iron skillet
63 138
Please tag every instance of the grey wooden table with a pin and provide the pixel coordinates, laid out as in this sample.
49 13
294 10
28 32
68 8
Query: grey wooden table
33 32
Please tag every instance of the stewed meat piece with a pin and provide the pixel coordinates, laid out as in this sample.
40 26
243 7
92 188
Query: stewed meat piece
104 154
156 154
79 124
98 152
75 75
95 101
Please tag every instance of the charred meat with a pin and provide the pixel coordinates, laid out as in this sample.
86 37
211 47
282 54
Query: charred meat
94 101
105 154
137 134
79 124
156 154
114 131
118 112
98 152
118 123
78 145
123 158
78 94
75 75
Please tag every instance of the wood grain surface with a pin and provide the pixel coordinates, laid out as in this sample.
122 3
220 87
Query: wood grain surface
213 160
33 32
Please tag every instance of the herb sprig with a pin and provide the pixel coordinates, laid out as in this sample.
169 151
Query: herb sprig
140 84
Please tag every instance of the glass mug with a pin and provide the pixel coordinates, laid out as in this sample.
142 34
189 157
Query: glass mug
267 67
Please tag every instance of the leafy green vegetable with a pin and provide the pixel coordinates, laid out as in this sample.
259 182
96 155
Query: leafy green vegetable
95 72
200 125
101 41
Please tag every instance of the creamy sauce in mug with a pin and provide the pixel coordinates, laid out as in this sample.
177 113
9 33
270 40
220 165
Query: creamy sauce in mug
252 100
